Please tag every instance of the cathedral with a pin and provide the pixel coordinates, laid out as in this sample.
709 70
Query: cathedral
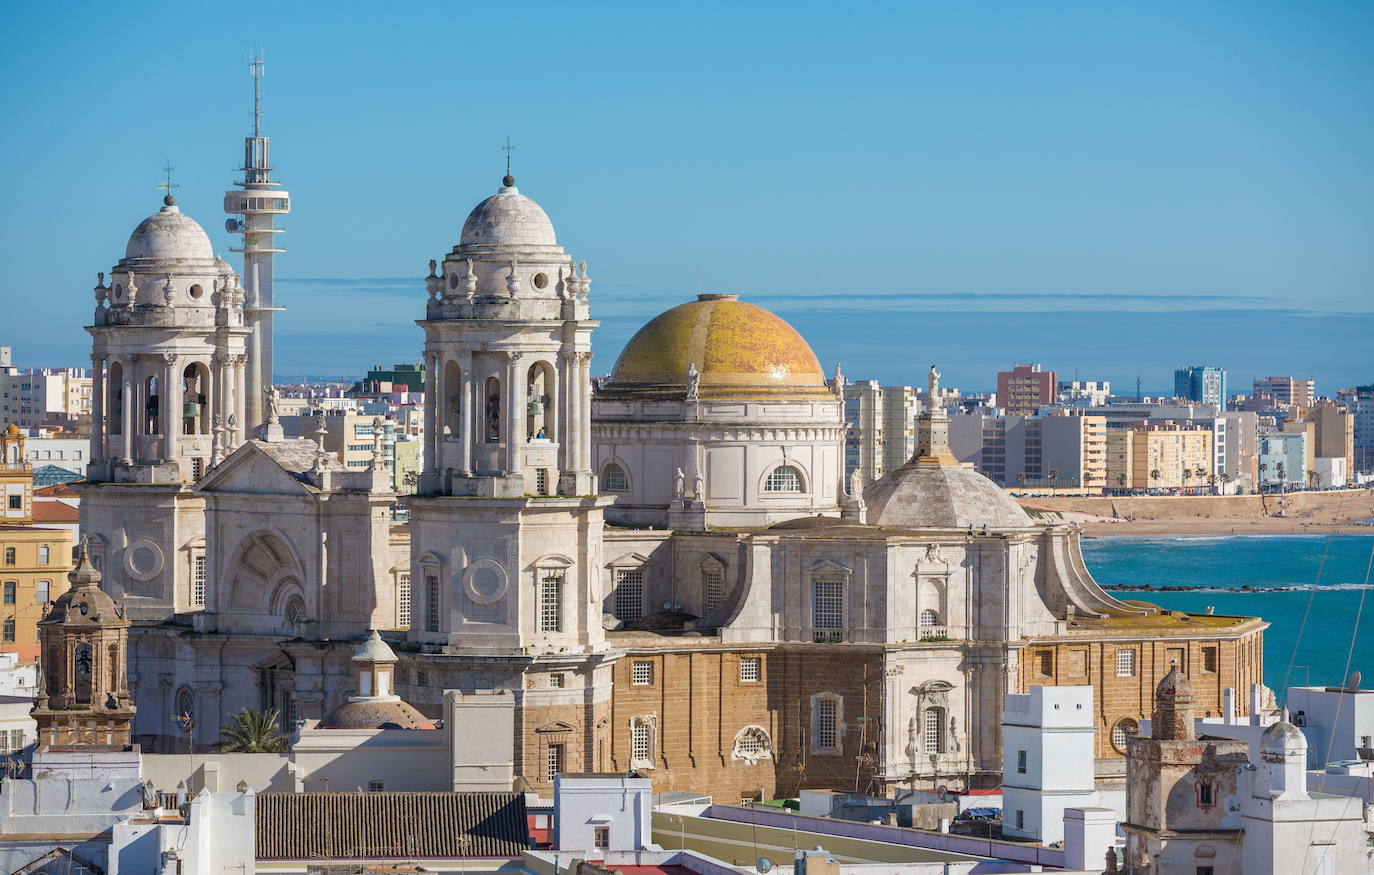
665 573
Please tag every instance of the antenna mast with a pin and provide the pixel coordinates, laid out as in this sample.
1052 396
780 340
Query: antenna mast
255 68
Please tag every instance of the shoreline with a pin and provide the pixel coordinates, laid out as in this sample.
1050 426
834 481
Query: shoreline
1213 529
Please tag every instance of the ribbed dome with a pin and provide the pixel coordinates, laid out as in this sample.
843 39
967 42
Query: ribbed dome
376 715
944 496
169 234
508 218
740 350
85 603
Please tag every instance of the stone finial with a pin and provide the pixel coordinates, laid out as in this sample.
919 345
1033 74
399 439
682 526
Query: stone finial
167 290
512 281
1111 862
469 281
433 267
584 282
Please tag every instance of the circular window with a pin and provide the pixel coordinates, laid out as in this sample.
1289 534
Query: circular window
484 581
1122 731
196 291
143 560
541 280
453 281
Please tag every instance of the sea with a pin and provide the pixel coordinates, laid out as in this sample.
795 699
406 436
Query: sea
1315 590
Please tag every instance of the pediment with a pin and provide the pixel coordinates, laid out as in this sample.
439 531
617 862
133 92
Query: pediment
828 566
249 470
557 726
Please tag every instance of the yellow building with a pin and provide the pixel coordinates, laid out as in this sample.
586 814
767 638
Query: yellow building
1166 455
1333 431
32 560
34 563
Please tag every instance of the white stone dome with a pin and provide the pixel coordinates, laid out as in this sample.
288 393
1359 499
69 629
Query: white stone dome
169 234
941 496
508 218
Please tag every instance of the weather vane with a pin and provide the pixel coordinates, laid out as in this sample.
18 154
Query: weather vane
168 185
508 148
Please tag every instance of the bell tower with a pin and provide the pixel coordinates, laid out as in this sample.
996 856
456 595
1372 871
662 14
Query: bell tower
168 354
83 691
506 529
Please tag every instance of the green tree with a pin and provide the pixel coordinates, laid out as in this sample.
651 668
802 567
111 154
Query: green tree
252 731
1054 478
1154 476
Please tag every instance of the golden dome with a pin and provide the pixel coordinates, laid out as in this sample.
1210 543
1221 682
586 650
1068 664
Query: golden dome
740 350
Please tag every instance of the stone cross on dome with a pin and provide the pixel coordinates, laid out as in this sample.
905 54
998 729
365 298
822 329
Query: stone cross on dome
508 148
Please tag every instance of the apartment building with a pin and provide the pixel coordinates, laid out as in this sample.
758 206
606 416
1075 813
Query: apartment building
1205 384
1025 388
45 397
1160 455
1333 431
882 428
1287 391
1057 451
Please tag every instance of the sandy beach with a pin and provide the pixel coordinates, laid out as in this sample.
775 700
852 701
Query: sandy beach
1333 512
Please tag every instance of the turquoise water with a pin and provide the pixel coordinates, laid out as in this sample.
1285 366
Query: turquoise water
1324 578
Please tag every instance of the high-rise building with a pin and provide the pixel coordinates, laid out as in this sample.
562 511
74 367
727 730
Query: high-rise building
1022 390
257 206
1287 391
1062 451
882 428
1359 400
1205 384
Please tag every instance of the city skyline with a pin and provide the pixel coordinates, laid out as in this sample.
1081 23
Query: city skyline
1111 215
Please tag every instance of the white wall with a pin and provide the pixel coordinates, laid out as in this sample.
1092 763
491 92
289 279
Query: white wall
1054 727
581 803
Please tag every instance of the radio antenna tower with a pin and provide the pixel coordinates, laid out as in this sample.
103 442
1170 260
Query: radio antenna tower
253 214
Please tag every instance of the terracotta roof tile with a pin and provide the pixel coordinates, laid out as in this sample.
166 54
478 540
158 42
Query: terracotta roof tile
55 512
331 826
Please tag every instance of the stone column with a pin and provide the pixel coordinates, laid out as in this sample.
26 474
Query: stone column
98 383
584 417
240 400
431 415
127 414
515 412
170 400
465 414
566 421
441 390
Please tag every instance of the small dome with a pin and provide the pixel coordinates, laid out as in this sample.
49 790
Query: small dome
376 715
169 234
740 351
508 218
1283 737
951 496
374 649
85 603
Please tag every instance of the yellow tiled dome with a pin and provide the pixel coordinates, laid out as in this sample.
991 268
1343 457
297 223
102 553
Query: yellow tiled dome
741 351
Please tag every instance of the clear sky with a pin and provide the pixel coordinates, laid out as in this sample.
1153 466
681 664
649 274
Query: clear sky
1110 189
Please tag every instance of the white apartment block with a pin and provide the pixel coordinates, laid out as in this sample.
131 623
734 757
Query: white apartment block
882 428
45 397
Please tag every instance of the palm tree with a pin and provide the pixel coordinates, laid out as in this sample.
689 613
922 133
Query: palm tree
1212 482
1264 468
1224 478
1054 478
1187 473
252 731
1281 469
1121 480
1154 476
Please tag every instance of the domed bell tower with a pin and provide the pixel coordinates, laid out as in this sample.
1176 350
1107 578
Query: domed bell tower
168 344
506 530
83 692
167 357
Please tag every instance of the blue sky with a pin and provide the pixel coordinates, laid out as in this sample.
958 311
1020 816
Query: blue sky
1107 188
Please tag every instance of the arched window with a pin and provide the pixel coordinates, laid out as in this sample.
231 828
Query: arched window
453 389
82 660
194 400
752 744
613 478
295 610
115 419
492 401
783 478
185 709
934 727
152 392
929 618
1122 731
